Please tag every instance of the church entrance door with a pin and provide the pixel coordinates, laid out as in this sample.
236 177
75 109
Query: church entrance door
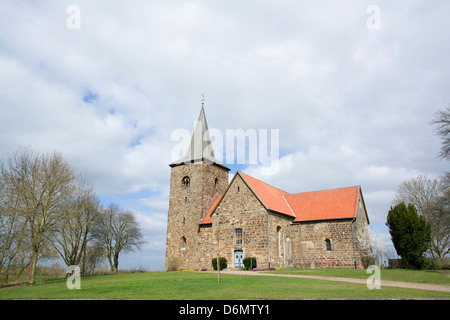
238 254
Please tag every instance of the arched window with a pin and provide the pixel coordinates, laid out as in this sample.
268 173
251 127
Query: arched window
278 241
328 244
183 243
216 183
186 182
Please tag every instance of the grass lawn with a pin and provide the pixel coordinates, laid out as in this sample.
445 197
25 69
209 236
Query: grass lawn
201 285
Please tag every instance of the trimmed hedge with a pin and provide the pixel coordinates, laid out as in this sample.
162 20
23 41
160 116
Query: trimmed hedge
249 263
222 263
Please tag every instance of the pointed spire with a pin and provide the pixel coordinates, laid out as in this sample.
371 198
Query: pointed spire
200 148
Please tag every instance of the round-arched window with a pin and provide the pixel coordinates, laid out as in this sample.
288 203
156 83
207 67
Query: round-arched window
186 182
183 243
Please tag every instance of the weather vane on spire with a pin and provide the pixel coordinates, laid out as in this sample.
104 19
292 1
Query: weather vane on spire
203 100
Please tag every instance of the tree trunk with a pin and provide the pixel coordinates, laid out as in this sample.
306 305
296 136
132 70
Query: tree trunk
32 267
116 263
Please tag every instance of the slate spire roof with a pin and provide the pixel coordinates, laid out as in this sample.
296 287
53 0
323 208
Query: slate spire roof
200 148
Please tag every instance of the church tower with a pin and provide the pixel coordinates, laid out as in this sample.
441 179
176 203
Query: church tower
195 180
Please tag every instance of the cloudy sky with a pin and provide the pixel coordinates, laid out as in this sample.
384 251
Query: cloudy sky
351 87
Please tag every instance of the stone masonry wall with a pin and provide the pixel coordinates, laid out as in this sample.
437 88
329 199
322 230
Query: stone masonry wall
282 237
311 250
240 209
187 205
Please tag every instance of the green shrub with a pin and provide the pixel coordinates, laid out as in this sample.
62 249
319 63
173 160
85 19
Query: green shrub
222 262
410 233
249 263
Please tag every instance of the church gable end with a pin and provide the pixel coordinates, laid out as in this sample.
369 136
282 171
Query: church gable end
239 225
361 212
238 198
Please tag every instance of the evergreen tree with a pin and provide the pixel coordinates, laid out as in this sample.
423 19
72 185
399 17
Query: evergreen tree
410 233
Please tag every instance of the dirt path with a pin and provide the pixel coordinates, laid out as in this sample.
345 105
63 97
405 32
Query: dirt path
388 283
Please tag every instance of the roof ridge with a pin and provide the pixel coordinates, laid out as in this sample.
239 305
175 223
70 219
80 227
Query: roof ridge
288 205
321 190
268 195
264 182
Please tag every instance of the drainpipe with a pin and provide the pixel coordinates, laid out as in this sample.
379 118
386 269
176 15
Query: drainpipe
353 240
268 236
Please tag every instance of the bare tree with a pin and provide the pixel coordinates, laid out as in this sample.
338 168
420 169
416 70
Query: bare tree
93 256
438 214
46 209
420 191
42 185
12 233
72 234
118 232
442 120
431 198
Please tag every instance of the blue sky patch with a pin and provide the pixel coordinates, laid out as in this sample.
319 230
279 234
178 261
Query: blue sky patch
90 97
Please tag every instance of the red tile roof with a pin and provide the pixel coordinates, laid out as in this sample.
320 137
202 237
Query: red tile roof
328 204
307 206
325 204
271 197
207 219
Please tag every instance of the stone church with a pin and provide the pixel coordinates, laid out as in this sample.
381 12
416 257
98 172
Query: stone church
210 216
